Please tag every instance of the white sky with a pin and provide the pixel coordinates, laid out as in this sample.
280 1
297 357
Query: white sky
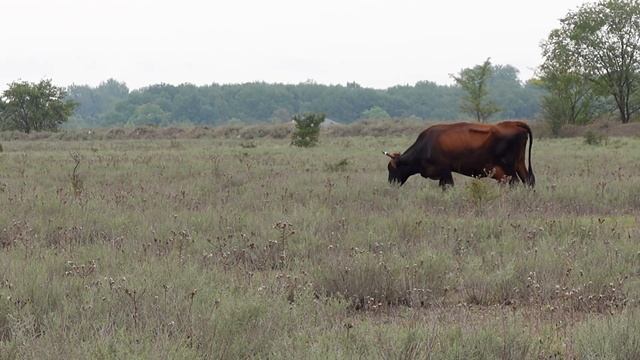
375 43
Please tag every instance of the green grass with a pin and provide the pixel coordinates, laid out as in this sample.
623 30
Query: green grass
214 249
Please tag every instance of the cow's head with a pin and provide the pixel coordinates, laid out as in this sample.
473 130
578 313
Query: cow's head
398 171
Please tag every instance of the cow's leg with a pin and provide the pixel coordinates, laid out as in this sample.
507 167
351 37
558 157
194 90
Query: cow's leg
511 174
446 179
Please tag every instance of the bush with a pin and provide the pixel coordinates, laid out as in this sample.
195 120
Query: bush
307 129
480 192
593 138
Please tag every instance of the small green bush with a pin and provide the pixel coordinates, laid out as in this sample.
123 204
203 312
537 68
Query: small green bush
307 129
593 138
480 192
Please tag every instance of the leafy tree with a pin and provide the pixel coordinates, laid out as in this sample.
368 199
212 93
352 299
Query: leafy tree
474 83
95 103
307 129
34 106
517 100
600 42
375 112
570 97
148 114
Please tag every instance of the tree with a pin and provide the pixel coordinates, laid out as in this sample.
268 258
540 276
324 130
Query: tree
474 83
148 114
600 43
376 113
570 96
307 129
34 107
95 103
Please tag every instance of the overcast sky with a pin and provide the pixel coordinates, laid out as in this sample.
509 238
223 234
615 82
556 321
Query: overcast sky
374 43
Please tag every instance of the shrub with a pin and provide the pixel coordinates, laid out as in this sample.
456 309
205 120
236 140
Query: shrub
480 192
593 138
307 129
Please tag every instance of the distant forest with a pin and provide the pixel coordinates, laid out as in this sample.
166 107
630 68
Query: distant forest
113 104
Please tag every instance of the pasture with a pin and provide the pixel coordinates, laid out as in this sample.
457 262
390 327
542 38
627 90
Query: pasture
228 248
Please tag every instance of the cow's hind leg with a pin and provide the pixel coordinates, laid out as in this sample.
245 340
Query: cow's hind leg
511 175
446 179
523 174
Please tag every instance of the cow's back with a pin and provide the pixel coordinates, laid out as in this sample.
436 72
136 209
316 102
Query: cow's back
464 137
461 147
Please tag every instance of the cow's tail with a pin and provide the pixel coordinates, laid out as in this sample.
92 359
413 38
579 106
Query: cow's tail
531 179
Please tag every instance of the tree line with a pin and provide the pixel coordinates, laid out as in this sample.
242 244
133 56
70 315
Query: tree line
112 104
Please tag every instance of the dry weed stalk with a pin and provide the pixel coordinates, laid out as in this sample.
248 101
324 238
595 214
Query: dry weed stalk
286 231
135 300
77 185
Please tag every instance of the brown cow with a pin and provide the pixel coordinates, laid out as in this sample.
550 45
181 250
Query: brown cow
470 149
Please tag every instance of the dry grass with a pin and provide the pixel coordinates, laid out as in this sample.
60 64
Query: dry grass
377 128
210 248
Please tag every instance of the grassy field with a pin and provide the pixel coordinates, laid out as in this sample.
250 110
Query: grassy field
227 249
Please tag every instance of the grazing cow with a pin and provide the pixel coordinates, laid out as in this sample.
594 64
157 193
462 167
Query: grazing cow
478 150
